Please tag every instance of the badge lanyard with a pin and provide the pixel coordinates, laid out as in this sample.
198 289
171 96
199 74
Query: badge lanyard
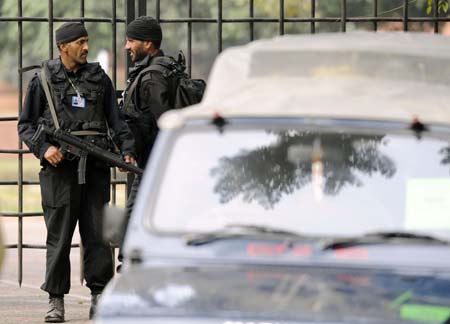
74 88
77 101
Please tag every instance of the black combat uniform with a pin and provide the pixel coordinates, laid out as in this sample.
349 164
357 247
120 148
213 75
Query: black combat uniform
150 100
64 200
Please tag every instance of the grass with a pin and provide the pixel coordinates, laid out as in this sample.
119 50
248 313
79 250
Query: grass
9 194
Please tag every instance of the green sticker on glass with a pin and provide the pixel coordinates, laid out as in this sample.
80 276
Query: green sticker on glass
425 313
427 204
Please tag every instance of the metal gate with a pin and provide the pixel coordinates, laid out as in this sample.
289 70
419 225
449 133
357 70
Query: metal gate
134 8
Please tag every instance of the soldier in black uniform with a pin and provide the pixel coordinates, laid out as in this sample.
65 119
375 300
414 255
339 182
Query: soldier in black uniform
151 95
84 103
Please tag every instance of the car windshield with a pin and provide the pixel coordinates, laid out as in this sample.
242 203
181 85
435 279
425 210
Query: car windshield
311 182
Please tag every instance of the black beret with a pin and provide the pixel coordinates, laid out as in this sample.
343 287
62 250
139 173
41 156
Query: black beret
69 32
145 28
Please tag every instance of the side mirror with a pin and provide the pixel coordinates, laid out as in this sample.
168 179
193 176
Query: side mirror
114 225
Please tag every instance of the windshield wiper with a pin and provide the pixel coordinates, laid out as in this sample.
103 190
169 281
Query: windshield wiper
237 230
382 237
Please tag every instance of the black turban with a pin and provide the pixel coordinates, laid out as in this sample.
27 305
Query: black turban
69 32
145 28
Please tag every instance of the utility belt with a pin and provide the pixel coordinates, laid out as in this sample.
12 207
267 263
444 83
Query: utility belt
71 153
101 140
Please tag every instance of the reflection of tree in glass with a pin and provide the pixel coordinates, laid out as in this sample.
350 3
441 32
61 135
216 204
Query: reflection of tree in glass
445 151
266 174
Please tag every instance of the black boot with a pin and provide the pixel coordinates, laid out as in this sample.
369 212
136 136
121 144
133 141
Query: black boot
55 313
94 300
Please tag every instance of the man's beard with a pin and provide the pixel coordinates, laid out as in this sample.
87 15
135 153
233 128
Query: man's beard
139 54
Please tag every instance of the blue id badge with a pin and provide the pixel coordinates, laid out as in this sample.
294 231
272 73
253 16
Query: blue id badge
78 101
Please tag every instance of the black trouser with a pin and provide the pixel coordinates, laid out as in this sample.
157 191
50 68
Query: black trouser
65 202
129 207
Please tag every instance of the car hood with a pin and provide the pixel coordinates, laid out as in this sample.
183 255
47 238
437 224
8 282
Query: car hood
259 293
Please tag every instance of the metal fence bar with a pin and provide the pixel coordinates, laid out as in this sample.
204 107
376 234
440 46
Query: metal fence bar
81 252
114 43
20 157
375 14
50 29
35 182
238 20
158 10
343 15
142 8
252 15
59 19
219 25
302 20
114 75
22 214
405 15
12 151
130 15
189 39
14 118
82 8
33 246
114 80
282 19
113 48
313 16
436 15
18 183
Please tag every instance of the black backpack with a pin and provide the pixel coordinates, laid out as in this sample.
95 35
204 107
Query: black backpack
184 90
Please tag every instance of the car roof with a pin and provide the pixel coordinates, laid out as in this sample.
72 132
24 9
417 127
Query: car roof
392 76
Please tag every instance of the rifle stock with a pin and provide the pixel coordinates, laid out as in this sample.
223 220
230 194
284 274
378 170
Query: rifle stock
65 137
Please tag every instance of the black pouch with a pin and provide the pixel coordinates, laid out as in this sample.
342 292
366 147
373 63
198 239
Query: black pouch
55 189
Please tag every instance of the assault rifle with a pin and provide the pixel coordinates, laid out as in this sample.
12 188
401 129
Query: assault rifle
77 147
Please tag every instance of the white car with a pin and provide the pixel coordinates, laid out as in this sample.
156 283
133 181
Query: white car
311 185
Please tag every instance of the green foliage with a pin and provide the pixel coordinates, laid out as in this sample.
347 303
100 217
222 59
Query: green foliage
442 6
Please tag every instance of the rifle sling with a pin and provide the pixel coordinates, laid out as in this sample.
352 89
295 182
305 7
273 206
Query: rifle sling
51 105
29 68
82 168
160 67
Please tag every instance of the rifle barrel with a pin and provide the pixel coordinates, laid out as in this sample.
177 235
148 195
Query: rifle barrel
92 149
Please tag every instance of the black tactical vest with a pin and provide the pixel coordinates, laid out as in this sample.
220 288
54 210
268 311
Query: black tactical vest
89 84
87 119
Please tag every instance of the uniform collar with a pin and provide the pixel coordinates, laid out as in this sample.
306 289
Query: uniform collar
68 72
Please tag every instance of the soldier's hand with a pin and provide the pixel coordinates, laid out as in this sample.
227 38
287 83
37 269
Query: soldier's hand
53 155
128 159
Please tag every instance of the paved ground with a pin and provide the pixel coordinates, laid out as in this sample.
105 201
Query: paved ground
27 303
